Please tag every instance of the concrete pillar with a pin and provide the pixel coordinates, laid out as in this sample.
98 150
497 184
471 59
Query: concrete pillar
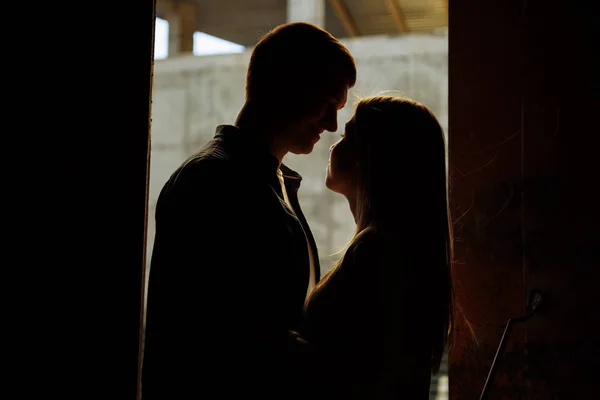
312 11
182 25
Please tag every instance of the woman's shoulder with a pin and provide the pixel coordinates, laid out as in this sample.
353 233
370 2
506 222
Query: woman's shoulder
373 239
366 240
382 251
370 246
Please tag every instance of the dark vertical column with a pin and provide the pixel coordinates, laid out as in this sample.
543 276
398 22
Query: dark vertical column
523 134
79 184
485 107
561 197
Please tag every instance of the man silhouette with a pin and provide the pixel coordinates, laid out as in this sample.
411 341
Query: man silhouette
233 256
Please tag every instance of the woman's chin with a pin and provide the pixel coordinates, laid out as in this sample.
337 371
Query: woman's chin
330 184
328 180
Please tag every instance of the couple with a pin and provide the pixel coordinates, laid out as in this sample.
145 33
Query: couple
236 305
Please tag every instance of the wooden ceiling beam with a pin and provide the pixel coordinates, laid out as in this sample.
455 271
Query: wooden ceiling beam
398 15
341 10
445 8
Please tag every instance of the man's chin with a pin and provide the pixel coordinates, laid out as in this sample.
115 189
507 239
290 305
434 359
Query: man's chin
303 150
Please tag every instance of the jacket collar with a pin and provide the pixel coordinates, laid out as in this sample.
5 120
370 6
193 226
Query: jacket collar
242 146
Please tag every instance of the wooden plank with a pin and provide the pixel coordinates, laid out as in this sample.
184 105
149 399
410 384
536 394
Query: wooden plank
345 17
398 15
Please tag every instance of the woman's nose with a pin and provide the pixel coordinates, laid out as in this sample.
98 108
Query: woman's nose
331 147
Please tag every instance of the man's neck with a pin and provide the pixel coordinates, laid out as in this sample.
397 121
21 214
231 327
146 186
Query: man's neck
249 121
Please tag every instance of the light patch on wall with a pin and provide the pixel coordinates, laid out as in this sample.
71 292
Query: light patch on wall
205 44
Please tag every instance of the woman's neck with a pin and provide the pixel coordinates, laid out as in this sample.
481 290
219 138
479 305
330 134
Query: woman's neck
352 203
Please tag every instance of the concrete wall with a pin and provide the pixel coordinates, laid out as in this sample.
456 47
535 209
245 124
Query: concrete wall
192 95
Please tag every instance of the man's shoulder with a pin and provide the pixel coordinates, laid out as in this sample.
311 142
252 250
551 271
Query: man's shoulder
203 166
208 167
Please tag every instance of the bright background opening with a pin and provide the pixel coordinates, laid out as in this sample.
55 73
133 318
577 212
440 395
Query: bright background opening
204 44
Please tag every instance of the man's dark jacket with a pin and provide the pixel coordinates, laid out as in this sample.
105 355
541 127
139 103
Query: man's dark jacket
228 278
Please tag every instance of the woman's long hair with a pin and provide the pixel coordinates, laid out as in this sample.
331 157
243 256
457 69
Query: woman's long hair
403 188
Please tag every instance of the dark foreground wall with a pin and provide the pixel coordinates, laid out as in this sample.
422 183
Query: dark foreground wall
524 106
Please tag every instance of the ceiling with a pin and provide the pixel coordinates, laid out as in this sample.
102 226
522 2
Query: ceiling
245 21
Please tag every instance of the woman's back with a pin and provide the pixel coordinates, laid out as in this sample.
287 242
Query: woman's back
366 318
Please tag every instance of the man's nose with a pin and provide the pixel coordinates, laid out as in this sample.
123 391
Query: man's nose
330 122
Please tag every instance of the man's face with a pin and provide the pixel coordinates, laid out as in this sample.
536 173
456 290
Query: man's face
302 136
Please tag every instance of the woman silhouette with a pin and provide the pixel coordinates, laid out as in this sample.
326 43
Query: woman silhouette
383 316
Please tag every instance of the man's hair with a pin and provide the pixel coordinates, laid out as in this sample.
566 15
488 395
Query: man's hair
298 62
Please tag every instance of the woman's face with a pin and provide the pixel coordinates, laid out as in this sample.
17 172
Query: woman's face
342 168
